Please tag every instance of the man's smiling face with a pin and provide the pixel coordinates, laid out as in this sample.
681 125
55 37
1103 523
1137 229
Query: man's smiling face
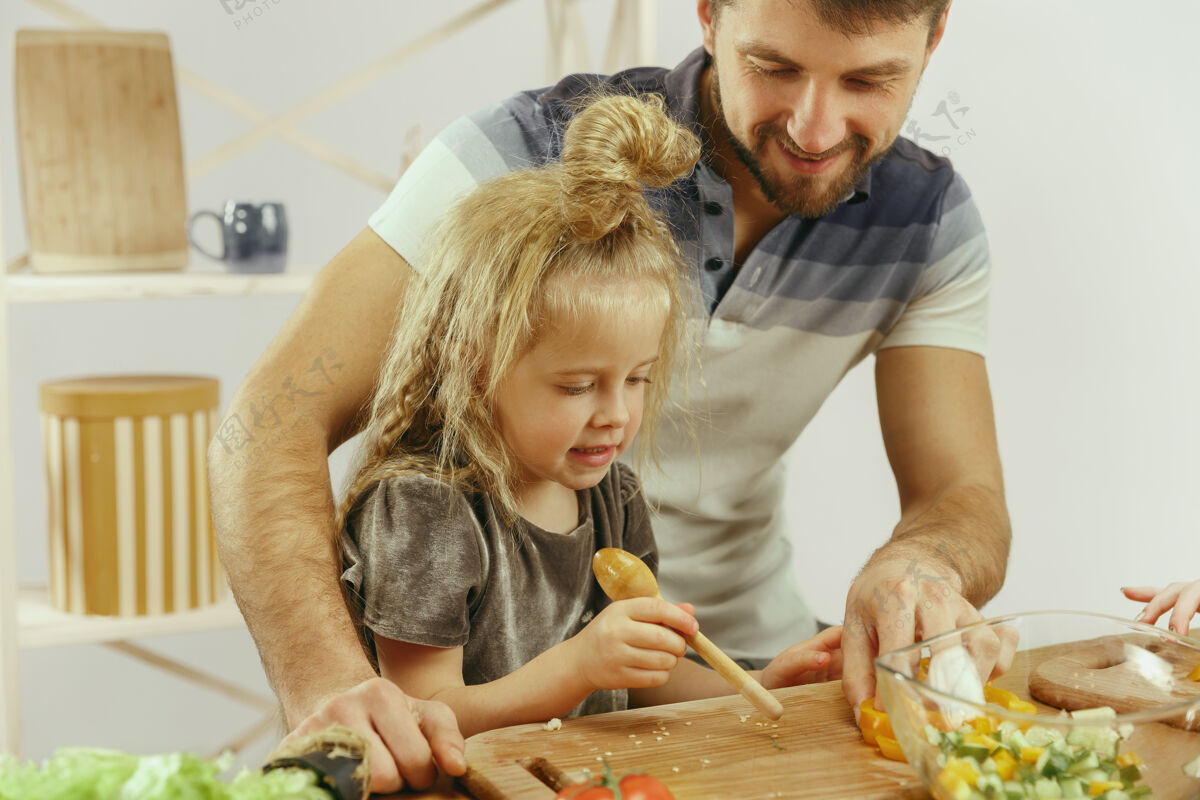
806 108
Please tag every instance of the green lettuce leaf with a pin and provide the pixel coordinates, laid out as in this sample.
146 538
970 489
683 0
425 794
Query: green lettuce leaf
89 773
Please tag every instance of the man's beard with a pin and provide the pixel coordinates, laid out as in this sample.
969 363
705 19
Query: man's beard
802 194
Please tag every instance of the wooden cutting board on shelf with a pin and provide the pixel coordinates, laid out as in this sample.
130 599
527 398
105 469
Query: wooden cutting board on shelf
100 151
716 748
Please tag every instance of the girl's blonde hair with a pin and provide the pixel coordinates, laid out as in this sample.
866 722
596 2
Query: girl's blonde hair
513 256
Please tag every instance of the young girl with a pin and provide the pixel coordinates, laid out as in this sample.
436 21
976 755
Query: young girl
539 339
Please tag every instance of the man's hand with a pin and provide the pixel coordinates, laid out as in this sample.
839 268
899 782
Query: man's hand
811 661
405 736
948 553
896 601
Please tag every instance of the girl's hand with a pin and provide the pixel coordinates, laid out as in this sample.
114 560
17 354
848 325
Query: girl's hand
811 661
1185 597
629 644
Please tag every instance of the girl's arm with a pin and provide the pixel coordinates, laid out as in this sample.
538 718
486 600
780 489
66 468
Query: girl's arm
689 681
534 693
627 646
811 661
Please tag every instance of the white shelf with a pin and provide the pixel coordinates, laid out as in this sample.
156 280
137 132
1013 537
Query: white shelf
27 620
194 282
41 625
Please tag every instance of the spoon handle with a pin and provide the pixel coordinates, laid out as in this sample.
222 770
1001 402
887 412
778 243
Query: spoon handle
737 677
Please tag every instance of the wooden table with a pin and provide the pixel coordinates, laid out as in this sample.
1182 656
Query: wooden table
716 748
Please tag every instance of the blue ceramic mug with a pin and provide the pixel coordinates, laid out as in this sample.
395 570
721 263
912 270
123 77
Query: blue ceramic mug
253 235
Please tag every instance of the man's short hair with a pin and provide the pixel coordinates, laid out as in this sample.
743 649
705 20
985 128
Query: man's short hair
857 17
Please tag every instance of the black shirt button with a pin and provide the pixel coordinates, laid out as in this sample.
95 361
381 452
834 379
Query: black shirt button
712 208
713 264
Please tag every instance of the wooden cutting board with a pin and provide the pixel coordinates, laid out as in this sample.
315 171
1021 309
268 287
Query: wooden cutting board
100 151
727 750
1127 673
716 748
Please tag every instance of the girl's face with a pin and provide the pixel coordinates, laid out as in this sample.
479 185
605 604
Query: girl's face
573 402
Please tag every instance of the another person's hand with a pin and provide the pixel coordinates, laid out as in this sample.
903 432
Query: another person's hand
633 644
405 736
811 661
898 600
1183 597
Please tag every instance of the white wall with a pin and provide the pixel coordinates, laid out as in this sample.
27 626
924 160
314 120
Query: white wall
1080 161
1082 164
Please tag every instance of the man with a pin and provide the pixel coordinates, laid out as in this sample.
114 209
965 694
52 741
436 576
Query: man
816 236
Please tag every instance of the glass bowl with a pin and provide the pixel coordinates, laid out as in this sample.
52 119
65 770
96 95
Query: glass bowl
1048 704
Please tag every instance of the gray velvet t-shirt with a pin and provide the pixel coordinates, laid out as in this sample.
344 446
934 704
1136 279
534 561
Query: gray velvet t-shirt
434 566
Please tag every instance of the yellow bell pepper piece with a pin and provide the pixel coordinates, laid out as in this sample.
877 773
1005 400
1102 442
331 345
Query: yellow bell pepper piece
1006 765
963 769
1194 675
872 722
890 748
984 725
1022 707
1001 697
1129 759
1006 699
978 738
1097 788
954 785
1030 755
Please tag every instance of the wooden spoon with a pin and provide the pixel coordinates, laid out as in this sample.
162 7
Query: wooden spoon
622 575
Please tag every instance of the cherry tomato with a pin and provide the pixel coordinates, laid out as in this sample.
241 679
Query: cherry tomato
608 786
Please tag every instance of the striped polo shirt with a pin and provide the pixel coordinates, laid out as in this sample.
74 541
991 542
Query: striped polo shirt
902 262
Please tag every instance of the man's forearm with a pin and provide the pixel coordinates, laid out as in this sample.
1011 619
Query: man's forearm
269 473
966 530
273 516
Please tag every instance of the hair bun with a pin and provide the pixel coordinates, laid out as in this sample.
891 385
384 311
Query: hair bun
613 149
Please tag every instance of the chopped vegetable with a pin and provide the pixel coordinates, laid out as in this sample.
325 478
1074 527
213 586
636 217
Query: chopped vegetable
890 748
873 722
1001 697
86 773
1006 699
1194 675
610 786
1007 763
877 730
